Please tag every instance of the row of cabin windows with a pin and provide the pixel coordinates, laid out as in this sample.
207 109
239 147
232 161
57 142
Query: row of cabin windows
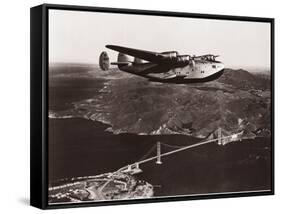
213 66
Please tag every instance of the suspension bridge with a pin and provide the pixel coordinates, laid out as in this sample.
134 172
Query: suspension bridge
221 140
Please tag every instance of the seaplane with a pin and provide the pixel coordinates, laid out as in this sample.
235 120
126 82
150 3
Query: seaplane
165 67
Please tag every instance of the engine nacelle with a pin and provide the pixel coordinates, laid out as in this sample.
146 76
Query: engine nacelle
183 58
104 62
170 54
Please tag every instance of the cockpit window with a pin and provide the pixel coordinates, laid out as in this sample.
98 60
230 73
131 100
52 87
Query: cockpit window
213 66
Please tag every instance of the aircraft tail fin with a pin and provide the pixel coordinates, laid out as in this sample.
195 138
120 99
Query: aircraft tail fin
104 62
122 60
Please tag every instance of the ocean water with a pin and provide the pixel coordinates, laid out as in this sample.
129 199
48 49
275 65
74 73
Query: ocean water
81 147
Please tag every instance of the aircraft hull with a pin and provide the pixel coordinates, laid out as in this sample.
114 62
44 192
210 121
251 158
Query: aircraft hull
166 67
181 80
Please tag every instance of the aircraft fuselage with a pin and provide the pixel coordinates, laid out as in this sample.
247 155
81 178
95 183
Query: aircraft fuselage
191 73
166 66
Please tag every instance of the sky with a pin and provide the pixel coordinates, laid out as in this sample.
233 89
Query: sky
80 37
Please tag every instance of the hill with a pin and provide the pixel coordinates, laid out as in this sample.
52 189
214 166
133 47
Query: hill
238 100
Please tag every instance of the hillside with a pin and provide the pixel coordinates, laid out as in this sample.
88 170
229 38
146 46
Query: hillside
238 100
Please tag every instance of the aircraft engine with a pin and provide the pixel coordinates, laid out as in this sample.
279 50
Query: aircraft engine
104 62
170 54
183 58
192 63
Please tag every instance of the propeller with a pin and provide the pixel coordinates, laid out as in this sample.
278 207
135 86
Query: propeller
192 60
215 56
210 57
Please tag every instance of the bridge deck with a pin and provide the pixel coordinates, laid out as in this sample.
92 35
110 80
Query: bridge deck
175 151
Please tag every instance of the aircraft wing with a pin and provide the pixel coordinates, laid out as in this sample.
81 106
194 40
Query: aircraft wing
142 54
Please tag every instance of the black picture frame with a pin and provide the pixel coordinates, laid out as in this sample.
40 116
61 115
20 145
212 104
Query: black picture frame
39 103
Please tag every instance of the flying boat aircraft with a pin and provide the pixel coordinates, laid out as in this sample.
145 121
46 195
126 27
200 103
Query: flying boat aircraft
169 66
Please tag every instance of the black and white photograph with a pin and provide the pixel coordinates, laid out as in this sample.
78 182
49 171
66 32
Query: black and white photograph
144 106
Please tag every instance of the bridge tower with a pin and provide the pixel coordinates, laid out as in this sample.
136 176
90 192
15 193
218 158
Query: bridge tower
219 136
158 161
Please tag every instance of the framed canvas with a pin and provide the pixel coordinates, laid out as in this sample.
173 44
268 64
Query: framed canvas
134 106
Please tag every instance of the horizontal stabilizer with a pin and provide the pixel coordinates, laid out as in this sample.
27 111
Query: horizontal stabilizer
104 62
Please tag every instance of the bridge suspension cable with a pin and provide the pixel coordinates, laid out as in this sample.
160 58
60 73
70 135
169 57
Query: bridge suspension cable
148 153
172 146
158 156
181 149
